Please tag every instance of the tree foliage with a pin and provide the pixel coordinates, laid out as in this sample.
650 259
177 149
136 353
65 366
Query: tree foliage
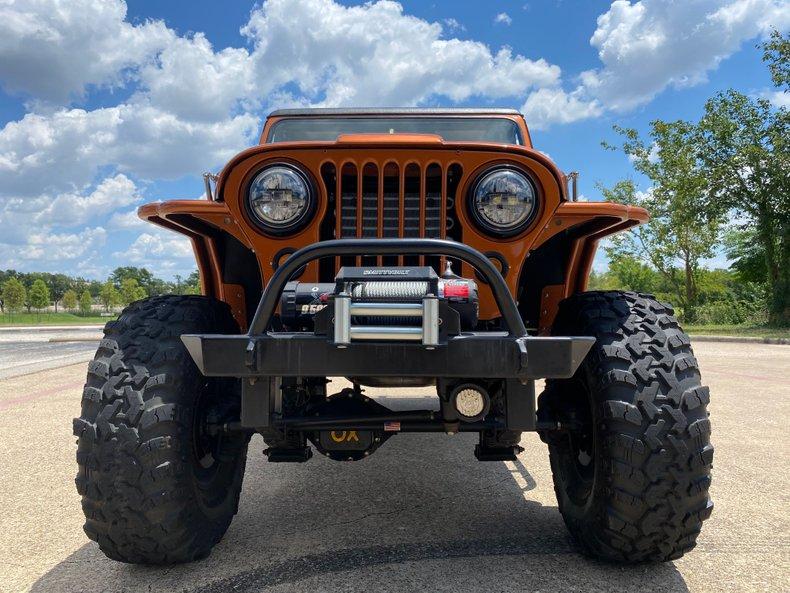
776 54
14 295
109 296
723 297
86 303
152 285
726 176
39 295
131 291
70 300
108 293
743 143
681 233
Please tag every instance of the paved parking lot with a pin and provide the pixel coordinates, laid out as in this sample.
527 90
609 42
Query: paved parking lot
419 515
28 350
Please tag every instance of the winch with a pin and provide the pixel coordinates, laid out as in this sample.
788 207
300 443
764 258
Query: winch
382 303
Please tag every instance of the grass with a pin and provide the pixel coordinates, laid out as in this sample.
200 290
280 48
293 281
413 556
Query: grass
50 318
756 331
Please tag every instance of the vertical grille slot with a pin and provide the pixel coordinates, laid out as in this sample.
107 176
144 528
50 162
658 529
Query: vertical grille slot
411 201
348 201
432 212
370 201
370 207
411 208
348 207
452 226
329 225
433 202
390 216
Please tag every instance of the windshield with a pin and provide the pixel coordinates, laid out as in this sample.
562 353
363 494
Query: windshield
499 130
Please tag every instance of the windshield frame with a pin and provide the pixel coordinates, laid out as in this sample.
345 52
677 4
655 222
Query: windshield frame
520 134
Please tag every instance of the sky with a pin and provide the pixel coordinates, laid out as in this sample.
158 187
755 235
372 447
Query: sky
105 104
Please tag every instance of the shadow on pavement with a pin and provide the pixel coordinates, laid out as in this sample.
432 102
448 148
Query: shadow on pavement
420 514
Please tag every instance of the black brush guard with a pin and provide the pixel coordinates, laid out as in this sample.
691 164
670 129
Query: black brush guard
264 354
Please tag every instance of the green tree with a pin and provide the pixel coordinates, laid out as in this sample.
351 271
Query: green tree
744 148
58 285
746 252
776 53
631 273
94 287
192 283
14 295
70 300
674 242
681 231
109 296
152 285
86 303
131 291
39 295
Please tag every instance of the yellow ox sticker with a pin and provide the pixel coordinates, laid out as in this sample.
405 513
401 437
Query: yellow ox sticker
344 436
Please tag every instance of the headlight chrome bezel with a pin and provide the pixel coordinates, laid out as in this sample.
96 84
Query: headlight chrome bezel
486 225
298 223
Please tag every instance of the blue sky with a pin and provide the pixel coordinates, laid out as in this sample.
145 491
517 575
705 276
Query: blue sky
106 105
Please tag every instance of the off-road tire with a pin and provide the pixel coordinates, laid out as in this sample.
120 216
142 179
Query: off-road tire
149 494
645 494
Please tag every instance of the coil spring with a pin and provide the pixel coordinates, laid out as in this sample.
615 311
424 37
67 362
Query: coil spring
387 289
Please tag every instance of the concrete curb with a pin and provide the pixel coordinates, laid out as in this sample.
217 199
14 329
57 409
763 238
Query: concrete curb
738 339
49 328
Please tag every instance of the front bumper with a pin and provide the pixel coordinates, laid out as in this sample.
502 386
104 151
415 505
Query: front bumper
510 354
490 355
263 357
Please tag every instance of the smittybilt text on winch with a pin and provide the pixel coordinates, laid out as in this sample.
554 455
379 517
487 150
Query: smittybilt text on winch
396 248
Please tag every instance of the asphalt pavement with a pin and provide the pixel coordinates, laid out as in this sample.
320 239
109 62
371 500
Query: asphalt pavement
28 350
421 514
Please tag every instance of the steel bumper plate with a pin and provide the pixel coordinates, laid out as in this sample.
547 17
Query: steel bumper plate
491 355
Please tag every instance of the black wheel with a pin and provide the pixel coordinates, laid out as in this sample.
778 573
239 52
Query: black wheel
158 485
632 472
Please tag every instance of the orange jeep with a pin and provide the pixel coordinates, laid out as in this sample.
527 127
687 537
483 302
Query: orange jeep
395 248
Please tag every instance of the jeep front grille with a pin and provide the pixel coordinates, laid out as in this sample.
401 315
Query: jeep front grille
389 200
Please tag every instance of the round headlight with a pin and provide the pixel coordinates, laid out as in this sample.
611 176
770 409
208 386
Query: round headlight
280 198
503 201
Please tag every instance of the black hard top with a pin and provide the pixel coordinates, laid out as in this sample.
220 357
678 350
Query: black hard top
323 111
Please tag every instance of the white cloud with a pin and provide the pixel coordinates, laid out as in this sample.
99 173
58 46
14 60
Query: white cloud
54 49
66 149
503 18
160 251
375 55
71 209
40 230
191 81
127 221
553 105
44 247
777 98
648 45
62 246
453 25
194 107
24 217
